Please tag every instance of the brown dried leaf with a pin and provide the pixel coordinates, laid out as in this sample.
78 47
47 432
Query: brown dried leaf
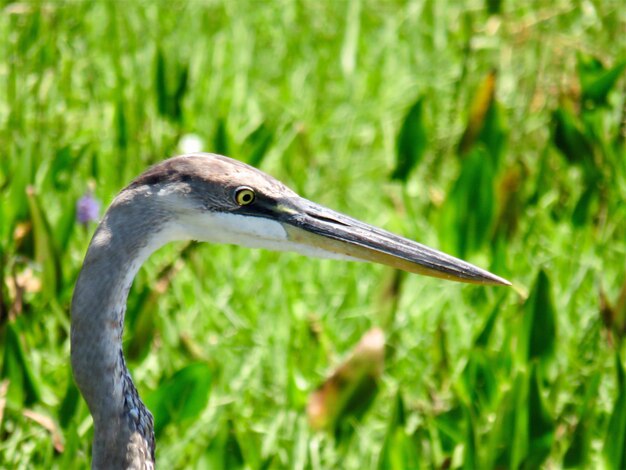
4 388
481 102
606 310
48 424
329 403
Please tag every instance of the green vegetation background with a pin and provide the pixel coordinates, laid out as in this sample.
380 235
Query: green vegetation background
503 125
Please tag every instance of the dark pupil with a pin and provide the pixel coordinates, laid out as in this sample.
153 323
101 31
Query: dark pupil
246 197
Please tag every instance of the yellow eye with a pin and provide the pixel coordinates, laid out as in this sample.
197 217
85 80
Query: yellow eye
244 196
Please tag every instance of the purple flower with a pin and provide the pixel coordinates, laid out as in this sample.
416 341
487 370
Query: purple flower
87 209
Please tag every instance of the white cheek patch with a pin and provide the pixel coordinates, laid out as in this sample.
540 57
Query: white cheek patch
233 229
252 232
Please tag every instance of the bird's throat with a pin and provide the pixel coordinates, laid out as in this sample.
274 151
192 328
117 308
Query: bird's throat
123 428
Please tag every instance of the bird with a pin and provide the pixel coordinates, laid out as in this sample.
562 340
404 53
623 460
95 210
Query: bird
207 198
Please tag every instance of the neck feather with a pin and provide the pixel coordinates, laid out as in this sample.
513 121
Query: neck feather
133 228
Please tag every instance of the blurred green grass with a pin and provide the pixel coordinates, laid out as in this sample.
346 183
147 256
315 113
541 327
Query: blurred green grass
93 92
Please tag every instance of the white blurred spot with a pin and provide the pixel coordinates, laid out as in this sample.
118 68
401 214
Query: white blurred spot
191 143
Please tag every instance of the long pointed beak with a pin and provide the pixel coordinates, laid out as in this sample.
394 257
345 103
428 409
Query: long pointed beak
310 224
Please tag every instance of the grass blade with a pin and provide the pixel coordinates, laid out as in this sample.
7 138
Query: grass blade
569 138
181 397
469 211
23 388
482 103
411 142
45 252
614 448
541 425
595 80
399 451
539 330
259 143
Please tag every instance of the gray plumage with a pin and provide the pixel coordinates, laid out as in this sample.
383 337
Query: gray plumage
123 427
196 197
142 218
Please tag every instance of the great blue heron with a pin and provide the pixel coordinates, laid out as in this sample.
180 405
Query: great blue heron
208 198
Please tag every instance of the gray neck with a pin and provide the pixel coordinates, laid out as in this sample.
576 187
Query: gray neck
131 230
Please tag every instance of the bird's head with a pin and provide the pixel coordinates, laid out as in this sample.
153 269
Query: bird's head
217 199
